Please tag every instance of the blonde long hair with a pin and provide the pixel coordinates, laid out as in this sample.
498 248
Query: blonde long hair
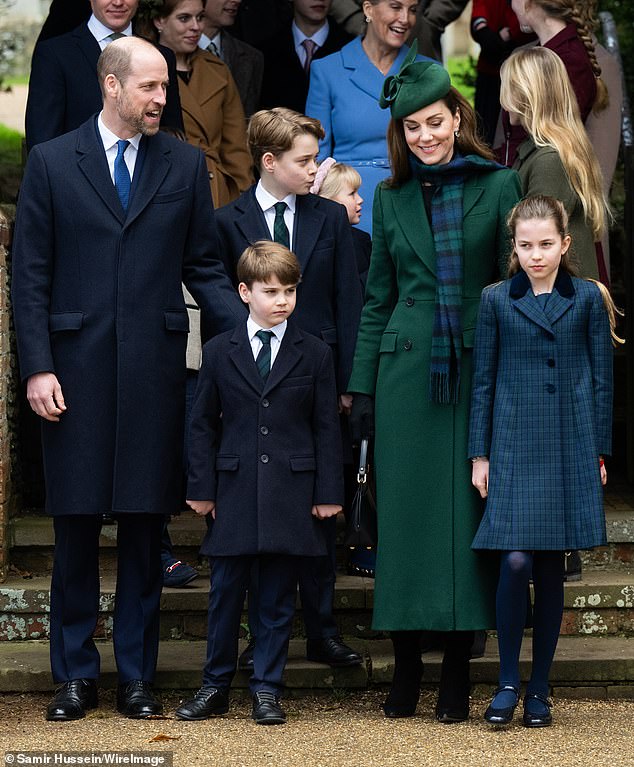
536 86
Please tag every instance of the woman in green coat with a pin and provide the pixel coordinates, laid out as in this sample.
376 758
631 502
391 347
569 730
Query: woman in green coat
439 239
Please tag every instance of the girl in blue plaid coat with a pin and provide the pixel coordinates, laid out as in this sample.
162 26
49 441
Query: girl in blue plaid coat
540 424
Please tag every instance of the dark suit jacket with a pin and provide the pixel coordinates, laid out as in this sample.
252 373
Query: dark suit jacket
97 299
246 64
329 296
285 84
64 91
279 449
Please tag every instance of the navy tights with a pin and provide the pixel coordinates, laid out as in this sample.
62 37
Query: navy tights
516 569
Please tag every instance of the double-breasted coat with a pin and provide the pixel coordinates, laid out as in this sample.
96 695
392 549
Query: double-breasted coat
427 577
214 122
97 300
265 452
542 411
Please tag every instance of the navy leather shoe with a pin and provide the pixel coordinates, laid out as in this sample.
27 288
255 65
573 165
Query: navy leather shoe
208 702
333 652
72 700
502 715
136 700
540 716
267 709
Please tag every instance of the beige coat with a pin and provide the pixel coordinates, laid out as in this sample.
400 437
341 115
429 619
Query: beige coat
214 121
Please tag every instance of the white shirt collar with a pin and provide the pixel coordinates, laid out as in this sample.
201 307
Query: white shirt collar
277 330
100 31
110 139
319 37
216 40
266 200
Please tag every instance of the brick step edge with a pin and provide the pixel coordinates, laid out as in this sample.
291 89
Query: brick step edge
584 667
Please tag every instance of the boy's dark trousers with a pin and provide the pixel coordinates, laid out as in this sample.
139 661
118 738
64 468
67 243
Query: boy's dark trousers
273 615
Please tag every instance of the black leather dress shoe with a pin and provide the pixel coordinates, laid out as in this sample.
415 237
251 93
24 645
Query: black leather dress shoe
208 702
72 700
245 661
333 652
452 715
136 700
502 715
267 709
542 719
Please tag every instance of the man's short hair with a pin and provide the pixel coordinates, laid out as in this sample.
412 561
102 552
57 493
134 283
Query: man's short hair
275 130
116 59
266 259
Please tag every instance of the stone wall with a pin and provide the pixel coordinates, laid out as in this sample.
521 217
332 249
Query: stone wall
7 391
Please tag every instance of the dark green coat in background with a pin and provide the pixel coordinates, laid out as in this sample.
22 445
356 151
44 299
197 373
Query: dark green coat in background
427 576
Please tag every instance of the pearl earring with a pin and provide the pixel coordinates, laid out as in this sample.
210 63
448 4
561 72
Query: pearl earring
367 19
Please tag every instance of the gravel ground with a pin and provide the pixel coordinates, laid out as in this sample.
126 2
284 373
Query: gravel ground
334 731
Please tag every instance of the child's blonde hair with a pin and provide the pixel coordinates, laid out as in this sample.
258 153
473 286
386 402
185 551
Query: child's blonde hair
275 130
265 259
335 176
542 207
536 86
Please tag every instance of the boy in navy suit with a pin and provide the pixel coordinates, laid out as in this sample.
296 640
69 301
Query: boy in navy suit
265 462
284 146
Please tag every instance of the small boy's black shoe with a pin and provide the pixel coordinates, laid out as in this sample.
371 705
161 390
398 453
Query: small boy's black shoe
245 661
504 715
208 701
540 718
267 709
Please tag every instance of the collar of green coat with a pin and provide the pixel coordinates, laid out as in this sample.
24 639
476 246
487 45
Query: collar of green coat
520 284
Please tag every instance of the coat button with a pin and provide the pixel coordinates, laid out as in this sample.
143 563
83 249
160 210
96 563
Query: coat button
409 301
550 362
264 458
265 403
551 388
264 430
407 345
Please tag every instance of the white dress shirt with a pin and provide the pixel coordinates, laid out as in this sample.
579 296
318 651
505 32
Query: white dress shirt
267 202
102 33
110 145
319 38
276 339
204 42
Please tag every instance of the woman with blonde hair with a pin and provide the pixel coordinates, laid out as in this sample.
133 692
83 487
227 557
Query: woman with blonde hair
557 158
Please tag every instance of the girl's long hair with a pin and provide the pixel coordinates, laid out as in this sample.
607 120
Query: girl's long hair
536 86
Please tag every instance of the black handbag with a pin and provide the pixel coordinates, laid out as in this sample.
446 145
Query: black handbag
361 532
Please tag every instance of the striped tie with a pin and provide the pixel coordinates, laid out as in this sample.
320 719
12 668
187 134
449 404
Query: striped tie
263 360
280 230
310 46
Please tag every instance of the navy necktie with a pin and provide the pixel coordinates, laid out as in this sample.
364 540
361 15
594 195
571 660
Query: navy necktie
122 179
263 360
280 230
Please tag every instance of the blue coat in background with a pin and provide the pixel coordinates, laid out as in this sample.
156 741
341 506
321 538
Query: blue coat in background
541 409
344 96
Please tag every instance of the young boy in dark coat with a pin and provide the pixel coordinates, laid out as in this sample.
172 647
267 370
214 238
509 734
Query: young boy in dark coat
265 462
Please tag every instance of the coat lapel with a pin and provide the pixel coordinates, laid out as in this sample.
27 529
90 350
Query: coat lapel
363 74
309 222
523 299
412 219
250 218
88 46
93 164
287 357
151 175
241 355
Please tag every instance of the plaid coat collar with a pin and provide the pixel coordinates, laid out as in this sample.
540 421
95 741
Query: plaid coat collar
523 299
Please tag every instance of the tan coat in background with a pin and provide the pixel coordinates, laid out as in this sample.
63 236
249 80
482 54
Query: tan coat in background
214 121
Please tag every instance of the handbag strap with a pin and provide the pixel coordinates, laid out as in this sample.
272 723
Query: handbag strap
362 474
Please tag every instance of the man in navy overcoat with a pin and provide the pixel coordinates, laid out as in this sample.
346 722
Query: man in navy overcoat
102 328
63 86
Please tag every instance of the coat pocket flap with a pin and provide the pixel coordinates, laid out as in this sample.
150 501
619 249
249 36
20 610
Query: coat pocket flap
388 341
177 320
227 462
302 462
329 335
297 381
65 321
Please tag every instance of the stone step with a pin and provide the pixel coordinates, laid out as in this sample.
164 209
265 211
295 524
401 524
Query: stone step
598 667
600 604
32 540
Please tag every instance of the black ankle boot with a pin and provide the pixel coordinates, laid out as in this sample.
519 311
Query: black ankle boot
455 682
408 673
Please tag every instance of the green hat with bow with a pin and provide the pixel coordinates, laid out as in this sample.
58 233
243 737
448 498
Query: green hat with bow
417 84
